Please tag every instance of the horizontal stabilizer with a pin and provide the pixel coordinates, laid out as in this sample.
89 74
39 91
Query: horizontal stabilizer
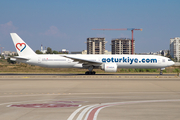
18 58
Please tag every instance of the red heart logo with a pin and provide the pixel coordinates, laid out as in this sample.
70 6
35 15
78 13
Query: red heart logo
20 44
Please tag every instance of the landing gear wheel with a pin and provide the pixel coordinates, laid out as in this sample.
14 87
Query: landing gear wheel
90 73
161 73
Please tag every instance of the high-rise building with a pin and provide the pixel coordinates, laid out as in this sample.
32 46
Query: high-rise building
122 46
175 48
96 45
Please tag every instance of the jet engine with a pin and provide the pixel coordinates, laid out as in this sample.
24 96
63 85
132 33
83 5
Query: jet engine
109 67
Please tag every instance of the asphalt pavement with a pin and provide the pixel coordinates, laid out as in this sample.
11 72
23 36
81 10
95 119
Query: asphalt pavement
90 99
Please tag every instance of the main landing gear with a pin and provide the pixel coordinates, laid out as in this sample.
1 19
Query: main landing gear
90 72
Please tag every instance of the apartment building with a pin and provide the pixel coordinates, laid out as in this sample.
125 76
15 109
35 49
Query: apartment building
175 48
96 45
122 46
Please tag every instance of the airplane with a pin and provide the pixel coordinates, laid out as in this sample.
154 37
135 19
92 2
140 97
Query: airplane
108 63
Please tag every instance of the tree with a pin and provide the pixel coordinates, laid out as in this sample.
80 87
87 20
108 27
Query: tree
175 59
49 51
168 54
172 59
38 52
55 52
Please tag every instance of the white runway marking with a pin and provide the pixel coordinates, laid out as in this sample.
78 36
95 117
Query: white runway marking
91 112
28 95
84 112
45 101
75 112
25 101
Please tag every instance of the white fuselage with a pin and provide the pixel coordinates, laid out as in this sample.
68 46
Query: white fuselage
122 61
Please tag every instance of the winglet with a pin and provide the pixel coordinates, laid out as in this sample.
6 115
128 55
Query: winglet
22 48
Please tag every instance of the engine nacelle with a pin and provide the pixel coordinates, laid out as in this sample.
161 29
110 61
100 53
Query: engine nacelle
109 67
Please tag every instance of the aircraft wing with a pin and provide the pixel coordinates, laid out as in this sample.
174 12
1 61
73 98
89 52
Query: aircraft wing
84 61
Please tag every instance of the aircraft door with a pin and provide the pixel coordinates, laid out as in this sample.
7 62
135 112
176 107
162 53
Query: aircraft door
159 61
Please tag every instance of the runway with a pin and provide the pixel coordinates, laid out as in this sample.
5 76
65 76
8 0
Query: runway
67 74
89 99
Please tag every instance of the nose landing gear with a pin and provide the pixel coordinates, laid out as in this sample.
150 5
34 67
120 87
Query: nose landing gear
161 71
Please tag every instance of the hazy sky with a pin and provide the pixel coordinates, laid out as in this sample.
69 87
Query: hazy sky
67 24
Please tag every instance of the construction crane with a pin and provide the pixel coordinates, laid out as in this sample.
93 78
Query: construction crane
132 29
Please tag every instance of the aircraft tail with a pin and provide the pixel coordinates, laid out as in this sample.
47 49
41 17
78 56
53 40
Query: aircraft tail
22 48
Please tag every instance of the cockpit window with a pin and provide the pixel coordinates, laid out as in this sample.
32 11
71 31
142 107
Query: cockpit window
169 60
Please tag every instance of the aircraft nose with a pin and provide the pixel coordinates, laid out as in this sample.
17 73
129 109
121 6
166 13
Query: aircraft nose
170 63
173 63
